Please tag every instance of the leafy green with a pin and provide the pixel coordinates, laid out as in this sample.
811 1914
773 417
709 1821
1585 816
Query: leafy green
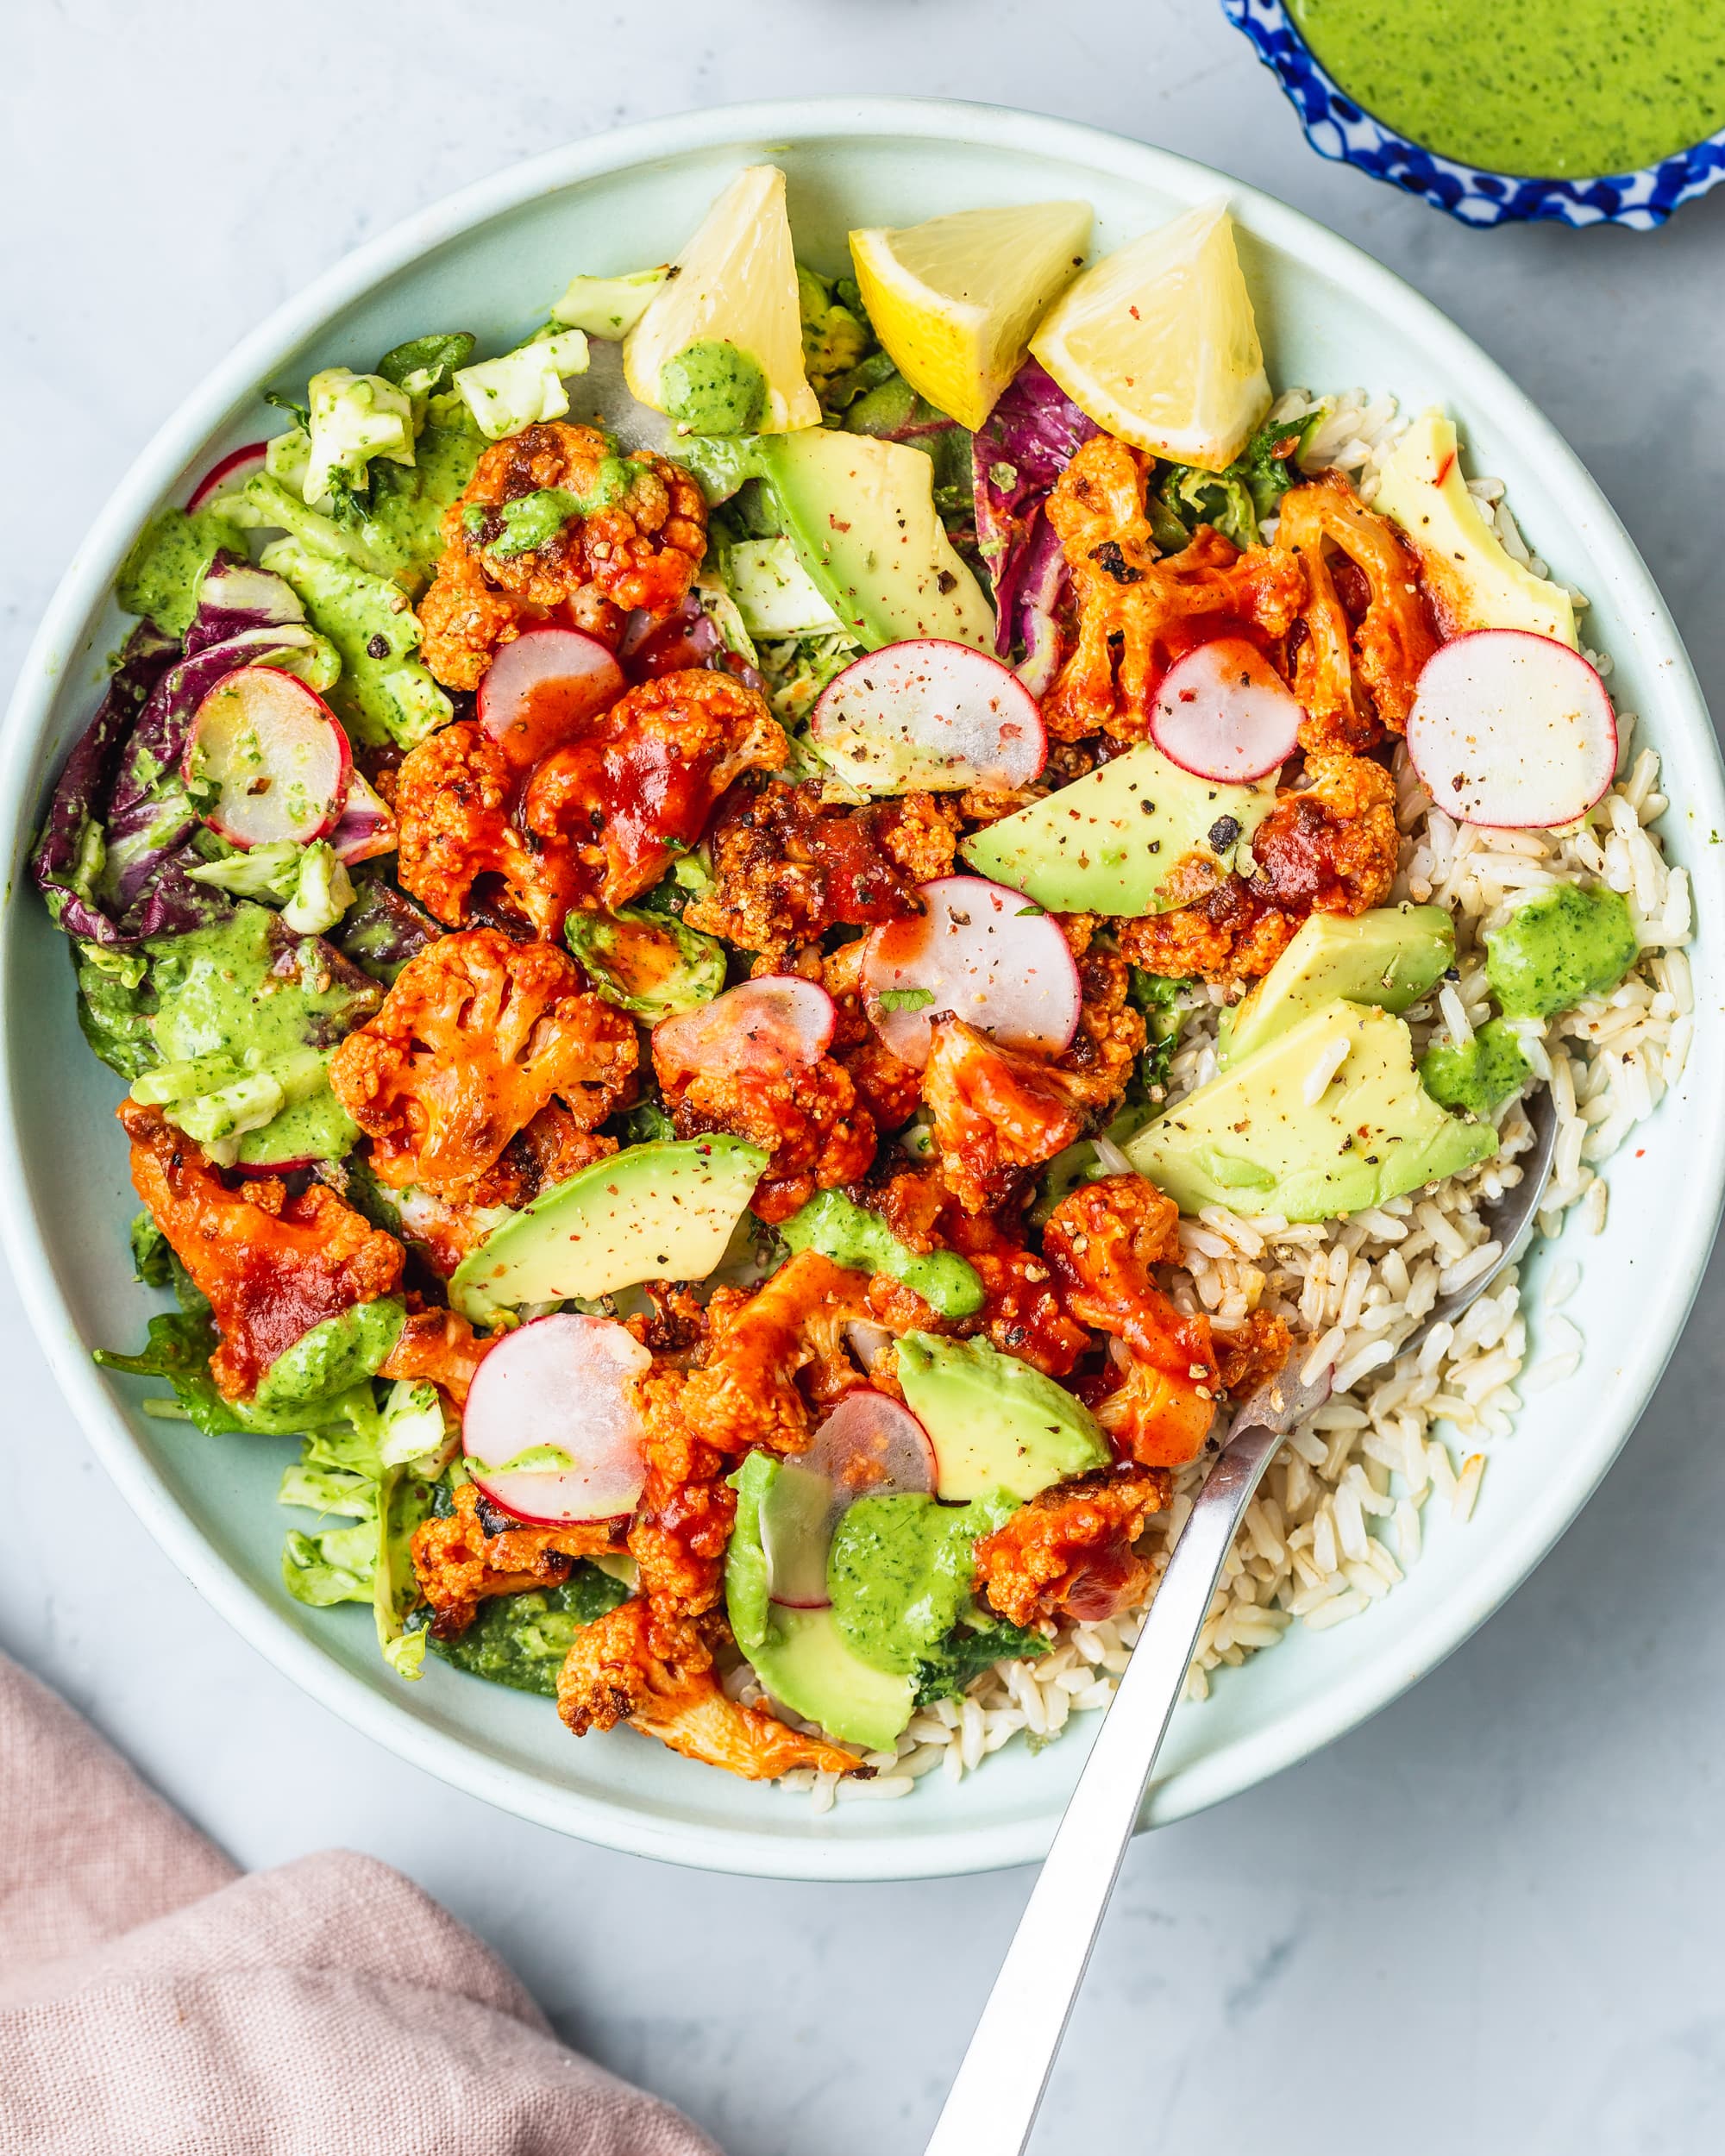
115 1002
342 1472
1235 500
961 1658
645 1123
177 1349
800 668
423 365
521 1639
151 1260
1158 998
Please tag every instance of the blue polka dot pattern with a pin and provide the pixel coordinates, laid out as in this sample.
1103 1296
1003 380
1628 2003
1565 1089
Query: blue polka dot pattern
1336 128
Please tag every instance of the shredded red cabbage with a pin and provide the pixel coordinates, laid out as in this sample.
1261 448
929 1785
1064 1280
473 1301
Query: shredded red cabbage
1023 446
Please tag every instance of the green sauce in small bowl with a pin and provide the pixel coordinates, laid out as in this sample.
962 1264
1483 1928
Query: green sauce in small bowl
1550 88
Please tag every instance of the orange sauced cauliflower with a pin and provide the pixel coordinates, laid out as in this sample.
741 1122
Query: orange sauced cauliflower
622 1668
597 820
475 1039
272 1263
636 546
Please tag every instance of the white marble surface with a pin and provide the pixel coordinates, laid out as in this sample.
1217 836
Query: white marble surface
1489 1920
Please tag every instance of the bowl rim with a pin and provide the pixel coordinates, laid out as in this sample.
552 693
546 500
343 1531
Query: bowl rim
84 588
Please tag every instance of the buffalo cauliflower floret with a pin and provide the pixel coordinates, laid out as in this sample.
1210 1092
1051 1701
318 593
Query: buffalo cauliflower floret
475 1038
627 1668
1068 1552
273 1266
473 1552
601 536
997 1112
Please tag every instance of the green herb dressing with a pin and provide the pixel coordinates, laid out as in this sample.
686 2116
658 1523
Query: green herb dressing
225 1016
1547 89
1574 941
898 1573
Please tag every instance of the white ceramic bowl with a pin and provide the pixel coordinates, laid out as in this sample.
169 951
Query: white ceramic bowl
490 261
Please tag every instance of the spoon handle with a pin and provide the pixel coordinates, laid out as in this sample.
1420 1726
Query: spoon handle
994 2100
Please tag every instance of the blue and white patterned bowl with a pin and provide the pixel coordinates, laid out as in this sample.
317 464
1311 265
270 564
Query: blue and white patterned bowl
1337 128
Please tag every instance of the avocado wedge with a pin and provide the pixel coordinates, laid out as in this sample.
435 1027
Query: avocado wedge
659 1211
1272 1135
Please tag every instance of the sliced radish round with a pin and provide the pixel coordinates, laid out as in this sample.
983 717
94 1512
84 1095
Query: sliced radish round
367 827
872 1446
232 473
797 1517
1224 712
561 1381
933 714
868 1446
780 1022
542 688
978 952
276 754
1512 731
681 643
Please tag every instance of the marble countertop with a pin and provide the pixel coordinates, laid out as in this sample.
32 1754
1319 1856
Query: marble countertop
1482 1920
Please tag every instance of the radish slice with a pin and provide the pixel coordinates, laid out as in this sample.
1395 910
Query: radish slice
930 713
541 690
872 1446
978 952
562 1382
367 827
1224 712
780 1022
1512 731
276 754
231 474
868 1446
797 1518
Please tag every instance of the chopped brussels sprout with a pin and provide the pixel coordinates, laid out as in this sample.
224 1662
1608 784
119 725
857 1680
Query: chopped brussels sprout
354 418
524 386
775 594
648 964
311 887
609 306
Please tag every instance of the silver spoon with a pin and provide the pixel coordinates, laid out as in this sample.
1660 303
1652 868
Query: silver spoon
999 2089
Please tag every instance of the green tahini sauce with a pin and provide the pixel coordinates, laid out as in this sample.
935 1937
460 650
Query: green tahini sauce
1547 89
1574 941
712 388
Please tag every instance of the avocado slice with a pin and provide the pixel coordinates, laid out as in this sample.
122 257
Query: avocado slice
861 517
800 1655
995 1423
1251 1140
850 1235
1110 841
1471 578
659 1211
1389 956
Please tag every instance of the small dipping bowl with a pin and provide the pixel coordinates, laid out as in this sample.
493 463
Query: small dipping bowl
1337 127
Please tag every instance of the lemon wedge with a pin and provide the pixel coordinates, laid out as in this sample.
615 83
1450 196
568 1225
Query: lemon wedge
954 301
734 285
1157 342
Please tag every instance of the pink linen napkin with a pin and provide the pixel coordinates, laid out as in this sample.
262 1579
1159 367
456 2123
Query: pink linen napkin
155 2001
